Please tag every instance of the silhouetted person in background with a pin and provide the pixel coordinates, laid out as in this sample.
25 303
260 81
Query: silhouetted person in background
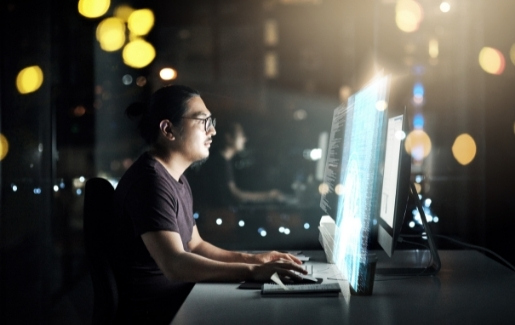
217 186
159 252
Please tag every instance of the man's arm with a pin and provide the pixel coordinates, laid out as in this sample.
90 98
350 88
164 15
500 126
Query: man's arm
166 249
199 246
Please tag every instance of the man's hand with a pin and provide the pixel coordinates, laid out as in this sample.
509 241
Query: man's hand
284 268
274 256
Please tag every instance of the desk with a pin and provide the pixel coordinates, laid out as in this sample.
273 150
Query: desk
469 289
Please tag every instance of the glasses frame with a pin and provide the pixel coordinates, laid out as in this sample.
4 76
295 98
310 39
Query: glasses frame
207 125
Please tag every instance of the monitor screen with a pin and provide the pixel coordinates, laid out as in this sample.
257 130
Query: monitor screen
352 175
395 187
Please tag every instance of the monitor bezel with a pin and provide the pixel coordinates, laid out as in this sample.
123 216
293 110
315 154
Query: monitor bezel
401 196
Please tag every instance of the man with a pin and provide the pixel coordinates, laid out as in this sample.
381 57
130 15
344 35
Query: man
159 251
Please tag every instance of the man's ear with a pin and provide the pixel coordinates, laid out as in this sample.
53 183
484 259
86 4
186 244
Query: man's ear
165 126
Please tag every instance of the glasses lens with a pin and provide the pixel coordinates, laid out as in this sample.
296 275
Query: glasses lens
210 122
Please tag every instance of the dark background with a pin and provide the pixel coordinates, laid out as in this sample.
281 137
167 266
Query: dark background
217 47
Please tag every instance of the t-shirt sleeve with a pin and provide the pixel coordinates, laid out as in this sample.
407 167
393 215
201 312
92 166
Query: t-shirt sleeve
151 206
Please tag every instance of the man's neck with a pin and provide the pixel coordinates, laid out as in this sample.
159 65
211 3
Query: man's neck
173 163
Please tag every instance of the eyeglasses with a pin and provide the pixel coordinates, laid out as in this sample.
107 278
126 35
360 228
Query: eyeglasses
208 121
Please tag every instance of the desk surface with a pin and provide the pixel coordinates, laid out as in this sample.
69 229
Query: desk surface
469 289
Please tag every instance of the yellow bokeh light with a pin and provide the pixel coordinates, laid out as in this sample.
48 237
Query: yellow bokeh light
141 21
111 34
323 189
408 15
492 60
512 54
93 8
418 144
29 79
138 53
167 74
433 48
464 149
123 12
4 147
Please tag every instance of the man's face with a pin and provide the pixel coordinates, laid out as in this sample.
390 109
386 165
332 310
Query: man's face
194 142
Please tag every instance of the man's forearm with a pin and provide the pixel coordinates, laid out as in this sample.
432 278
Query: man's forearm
191 267
218 254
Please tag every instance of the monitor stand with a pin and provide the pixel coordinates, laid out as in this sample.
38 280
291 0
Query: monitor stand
435 263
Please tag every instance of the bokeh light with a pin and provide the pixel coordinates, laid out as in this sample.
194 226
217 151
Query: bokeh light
111 34
123 12
512 54
323 189
345 92
339 189
433 48
381 105
418 93
271 65
408 15
271 33
464 149
29 79
167 74
418 121
492 60
141 81
93 8
138 53
4 147
79 111
141 21
445 6
418 144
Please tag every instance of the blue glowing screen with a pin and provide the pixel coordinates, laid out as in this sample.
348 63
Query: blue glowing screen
353 166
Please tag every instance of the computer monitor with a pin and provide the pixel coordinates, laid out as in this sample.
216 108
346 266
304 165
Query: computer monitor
352 176
395 194
396 182
367 175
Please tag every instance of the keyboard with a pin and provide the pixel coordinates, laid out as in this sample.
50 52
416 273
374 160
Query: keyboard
308 268
301 290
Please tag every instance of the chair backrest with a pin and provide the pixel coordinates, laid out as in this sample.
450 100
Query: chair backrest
99 223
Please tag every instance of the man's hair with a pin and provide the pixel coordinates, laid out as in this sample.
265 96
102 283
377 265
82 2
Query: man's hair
169 102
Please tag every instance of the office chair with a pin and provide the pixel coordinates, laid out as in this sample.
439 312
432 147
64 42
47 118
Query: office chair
98 233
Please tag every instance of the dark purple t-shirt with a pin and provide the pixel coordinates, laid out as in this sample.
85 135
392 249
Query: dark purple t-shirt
148 198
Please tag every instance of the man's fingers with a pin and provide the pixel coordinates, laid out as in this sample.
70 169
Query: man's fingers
289 265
